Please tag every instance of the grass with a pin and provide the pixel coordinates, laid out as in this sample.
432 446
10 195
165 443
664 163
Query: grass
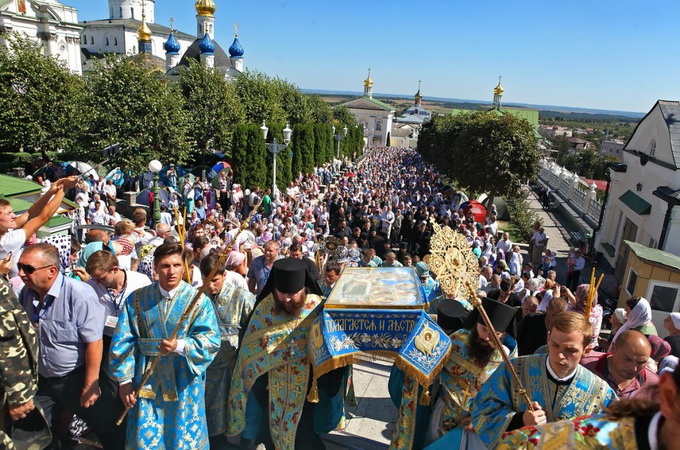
511 229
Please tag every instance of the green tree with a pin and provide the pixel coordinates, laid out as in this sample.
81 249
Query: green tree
239 144
483 151
323 151
132 104
343 117
212 107
42 105
318 111
260 95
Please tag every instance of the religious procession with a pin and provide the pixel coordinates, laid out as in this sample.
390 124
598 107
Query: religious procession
235 321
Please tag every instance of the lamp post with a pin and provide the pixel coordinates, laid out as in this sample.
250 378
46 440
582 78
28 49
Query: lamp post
339 137
155 167
275 148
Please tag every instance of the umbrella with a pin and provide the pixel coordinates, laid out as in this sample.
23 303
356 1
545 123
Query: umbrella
218 168
84 168
117 176
143 197
478 210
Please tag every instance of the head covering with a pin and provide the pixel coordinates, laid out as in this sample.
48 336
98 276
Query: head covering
235 259
620 314
145 265
675 318
581 295
668 364
660 348
422 270
500 314
451 315
289 275
640 315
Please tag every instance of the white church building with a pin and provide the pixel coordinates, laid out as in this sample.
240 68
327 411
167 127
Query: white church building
375 116
131 29
52 24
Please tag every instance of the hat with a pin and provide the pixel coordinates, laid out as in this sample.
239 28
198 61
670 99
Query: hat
422 270
289 275
621 315
451 315
500 314
675 318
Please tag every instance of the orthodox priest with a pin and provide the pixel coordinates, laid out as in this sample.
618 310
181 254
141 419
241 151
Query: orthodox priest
473 360
272 395
170 410
558 386
233 305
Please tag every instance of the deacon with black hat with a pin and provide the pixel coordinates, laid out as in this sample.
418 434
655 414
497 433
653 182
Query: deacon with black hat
472 360
272 378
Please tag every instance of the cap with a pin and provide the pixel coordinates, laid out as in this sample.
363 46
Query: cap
289 275
500 314
422 270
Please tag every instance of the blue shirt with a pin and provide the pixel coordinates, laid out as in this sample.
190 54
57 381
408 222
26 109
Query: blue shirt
259 272
71 318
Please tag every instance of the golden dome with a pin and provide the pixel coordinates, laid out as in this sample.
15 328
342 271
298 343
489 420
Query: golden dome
205 7
368 82
498 90
144 32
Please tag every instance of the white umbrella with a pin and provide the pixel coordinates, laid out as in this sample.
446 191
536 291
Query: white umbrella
84 168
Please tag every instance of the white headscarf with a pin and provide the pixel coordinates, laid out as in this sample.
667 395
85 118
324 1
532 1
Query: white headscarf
638 316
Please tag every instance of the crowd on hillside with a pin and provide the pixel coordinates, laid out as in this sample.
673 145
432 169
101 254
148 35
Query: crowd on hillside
377 210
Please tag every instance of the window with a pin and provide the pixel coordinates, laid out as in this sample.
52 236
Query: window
378 125
132 12
652 148
85 39
115 41
617 227
663 297
121 12
632 281
107 42
652 243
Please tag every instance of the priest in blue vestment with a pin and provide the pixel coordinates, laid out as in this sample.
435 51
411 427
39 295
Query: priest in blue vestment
170 410
558 386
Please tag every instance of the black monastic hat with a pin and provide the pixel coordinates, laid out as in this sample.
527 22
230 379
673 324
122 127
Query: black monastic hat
451 315
500 314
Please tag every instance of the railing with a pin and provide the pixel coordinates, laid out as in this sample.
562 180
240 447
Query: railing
572 189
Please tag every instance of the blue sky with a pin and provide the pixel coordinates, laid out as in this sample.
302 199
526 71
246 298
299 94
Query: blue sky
606 54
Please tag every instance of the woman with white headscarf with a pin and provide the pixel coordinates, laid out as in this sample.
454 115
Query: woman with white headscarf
639 317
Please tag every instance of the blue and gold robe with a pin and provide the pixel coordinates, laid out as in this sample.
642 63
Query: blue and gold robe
232 306
275 344
170 411
499 400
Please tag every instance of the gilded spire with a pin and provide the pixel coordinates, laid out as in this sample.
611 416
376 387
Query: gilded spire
368 82
144 32
205 7
498 90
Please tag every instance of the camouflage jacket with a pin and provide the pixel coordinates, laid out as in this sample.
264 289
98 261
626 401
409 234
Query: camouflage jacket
18 350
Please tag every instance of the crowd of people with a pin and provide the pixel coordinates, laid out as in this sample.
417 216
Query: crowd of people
84 317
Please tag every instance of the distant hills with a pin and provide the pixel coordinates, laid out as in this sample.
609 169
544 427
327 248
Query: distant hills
546 110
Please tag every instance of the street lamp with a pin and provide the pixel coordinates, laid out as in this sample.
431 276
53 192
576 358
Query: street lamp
155 167
275 148
339 137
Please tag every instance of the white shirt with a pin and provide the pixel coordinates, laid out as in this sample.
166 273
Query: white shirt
554 375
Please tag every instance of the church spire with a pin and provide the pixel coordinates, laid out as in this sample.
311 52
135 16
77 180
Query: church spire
368 85
418 97
144 34
497 94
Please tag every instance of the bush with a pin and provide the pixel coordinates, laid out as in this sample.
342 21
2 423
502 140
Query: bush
521 215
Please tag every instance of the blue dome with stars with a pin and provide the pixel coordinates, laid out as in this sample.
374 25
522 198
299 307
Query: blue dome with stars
206 45
171 46
236 50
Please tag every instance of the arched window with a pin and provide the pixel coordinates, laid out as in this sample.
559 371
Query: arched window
121 12
91 40
85 39
652 147
107 42
378 125
132 12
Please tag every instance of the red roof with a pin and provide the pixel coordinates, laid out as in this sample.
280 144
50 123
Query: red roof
601 184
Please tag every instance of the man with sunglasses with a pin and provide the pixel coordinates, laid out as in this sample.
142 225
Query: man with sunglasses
70 324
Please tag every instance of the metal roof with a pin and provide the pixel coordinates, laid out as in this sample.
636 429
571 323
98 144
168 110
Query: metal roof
671 114
654 255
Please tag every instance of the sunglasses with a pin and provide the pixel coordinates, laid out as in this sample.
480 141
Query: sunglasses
28 269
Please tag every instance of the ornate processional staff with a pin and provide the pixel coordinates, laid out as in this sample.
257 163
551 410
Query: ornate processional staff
456 268
189 309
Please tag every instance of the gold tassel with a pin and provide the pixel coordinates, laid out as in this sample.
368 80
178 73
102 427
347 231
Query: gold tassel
425 397
313 396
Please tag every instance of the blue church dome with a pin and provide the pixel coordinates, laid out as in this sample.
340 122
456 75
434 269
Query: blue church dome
206 46
236 51
171 46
